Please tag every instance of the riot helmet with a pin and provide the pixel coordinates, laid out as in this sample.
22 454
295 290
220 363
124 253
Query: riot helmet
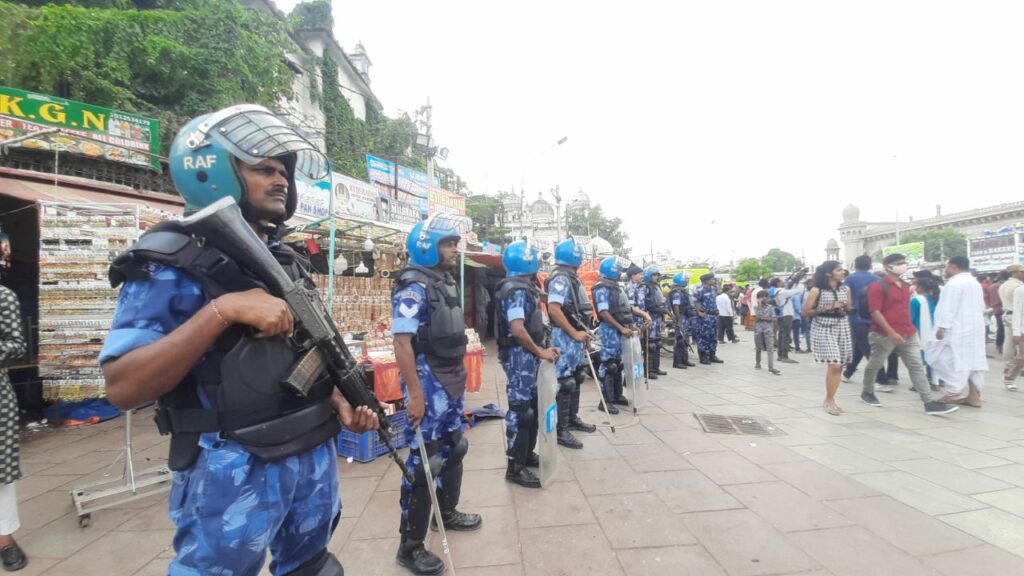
681 279
203 153
612 267
427 235
520 259
650 272
569 253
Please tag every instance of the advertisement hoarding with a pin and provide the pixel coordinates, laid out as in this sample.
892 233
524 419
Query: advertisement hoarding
85 130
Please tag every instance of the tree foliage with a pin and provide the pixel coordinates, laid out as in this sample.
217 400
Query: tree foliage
483 210
939 243
593 222
777 260
169 64
751 269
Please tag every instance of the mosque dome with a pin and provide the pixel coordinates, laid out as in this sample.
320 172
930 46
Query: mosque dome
832 244
851 214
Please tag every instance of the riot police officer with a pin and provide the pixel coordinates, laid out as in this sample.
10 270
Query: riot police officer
255 465
616 314
682 314
653 300
571 314
430 346
521 349
706 331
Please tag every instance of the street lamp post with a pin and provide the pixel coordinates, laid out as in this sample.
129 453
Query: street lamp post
522 177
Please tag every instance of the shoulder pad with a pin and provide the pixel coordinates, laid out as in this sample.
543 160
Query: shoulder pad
165 242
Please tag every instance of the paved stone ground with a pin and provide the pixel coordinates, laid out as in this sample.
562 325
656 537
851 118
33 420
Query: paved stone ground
872 492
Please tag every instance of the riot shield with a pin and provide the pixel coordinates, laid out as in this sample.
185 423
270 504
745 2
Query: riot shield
633 369
547 422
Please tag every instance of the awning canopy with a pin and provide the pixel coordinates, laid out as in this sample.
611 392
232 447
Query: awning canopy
489 260
37 187
350 227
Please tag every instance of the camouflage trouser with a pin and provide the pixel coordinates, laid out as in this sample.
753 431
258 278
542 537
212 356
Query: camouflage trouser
611 346
442 418
521 370
571 353
231 506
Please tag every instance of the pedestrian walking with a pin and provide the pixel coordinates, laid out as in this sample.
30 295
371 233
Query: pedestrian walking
828 303
1013 354
958 353
726 315
888 301
12 346
764 331
922 312
860 318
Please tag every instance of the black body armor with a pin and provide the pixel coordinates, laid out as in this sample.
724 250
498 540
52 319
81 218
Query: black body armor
657 306
534 322
577 309
618 301
443 340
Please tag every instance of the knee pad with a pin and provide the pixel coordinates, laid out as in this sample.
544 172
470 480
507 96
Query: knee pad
613 367
323 564
566 385
420 476
580 376
459 447
526 412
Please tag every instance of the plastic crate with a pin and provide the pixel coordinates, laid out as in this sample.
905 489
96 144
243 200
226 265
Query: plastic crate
367 447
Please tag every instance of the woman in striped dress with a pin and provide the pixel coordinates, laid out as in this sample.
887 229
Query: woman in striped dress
827 304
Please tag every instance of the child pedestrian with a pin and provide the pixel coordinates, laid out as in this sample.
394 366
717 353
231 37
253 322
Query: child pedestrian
764 330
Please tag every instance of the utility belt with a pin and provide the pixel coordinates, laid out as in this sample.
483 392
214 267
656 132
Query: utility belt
451 439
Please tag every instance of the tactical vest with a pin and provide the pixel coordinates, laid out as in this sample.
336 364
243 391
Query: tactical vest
240 377
577 309
618 301
658 297
534 323
685 309
443 339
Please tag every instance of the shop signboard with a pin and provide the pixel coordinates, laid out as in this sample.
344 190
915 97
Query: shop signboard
400 213
314 196
912 251
443 201
412 184
380 170
356 198
85 130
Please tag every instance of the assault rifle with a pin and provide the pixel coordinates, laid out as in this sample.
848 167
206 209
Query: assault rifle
321 347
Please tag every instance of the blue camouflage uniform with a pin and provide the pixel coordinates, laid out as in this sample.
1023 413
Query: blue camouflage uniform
442 414
571 353
638 298
706 333
611 340
654 332
678 298
230 506
520 367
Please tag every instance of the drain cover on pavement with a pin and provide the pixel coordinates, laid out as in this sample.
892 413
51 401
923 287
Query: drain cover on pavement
747 425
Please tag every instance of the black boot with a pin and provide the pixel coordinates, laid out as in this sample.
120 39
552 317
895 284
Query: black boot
704 358
521 475
618 384
419 560
574 406
716 360
565 438
656 360
450 492
532 460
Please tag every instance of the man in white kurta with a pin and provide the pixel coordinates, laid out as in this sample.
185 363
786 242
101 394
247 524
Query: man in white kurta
957 356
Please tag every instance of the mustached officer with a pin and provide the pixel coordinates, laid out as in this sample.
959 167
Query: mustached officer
616 314
682 315
653 300
430 346
706 331
520 350
254 464
571 312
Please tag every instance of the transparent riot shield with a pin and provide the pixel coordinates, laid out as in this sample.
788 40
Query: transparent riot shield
547 422
633 368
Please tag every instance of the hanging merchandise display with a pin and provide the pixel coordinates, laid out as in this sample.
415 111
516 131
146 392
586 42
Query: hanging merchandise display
76 302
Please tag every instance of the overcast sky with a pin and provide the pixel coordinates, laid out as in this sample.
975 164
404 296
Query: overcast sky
715 129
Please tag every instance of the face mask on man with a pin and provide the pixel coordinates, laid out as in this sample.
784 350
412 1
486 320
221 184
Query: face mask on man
898 269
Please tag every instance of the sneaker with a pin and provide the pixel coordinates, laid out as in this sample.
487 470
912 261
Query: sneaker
939 409
870 399
1012 387
887 388
788 361
775 371
757 366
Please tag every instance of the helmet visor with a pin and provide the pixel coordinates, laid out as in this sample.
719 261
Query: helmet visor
448 224
252 133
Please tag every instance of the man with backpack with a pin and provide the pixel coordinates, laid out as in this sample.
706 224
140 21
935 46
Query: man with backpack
860 320
888 301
